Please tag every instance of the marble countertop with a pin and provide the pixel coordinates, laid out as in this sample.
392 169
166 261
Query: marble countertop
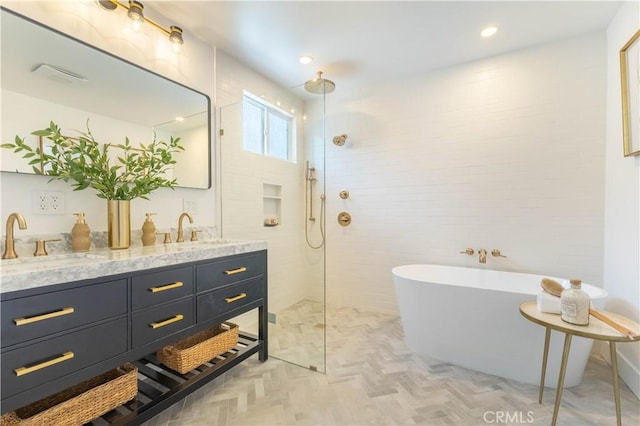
31 272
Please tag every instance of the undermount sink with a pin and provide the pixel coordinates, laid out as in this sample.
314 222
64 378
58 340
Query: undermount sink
25 264
197 245
221 241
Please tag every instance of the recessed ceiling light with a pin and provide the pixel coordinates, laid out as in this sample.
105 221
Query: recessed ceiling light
179 118
306 59
489 31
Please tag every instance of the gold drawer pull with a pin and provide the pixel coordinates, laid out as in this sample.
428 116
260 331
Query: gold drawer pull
26 370
166 287
36 318
235 271
178 317
234 298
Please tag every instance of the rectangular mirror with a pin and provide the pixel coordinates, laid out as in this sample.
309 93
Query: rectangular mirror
50 76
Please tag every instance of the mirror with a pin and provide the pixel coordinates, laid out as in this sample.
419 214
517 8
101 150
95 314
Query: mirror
43 80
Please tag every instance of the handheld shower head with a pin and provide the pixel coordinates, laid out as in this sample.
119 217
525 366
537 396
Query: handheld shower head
310 173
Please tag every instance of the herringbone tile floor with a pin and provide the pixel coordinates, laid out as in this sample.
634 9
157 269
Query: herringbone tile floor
373 379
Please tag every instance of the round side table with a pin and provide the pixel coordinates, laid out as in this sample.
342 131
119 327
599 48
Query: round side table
596 330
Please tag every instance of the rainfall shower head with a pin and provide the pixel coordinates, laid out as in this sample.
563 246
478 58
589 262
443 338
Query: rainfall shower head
319 85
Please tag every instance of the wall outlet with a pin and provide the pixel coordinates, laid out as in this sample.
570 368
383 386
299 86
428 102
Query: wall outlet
47 202
190 206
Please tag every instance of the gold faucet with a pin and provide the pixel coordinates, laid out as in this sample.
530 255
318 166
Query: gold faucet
483 255
9 245
180 238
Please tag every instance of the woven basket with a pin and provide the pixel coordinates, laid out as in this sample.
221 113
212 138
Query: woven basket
195 350
81 403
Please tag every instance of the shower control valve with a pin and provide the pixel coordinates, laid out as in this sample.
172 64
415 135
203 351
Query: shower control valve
344 194
496 253
344 219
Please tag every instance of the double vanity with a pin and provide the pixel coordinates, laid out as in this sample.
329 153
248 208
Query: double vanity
69 317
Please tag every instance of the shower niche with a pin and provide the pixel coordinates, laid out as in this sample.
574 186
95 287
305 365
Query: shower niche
272 204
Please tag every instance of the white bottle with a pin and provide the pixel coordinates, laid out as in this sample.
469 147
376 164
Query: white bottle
575 304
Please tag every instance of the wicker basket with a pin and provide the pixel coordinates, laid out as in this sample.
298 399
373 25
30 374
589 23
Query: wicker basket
81 403
195 350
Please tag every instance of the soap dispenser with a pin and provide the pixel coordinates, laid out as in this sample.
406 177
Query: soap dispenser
148 231
80 240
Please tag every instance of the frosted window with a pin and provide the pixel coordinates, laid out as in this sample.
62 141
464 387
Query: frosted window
252 127
266 129
278 137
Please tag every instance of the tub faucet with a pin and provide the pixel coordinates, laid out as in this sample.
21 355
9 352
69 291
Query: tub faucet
180 238
483 255
9 244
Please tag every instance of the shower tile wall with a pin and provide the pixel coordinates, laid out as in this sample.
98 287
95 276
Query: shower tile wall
243 177
506 153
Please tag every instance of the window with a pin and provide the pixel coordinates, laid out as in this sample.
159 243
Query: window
266 129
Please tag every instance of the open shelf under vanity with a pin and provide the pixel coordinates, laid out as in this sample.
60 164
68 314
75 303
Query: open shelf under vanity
159 387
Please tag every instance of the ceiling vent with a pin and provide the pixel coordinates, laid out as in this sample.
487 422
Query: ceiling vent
58 74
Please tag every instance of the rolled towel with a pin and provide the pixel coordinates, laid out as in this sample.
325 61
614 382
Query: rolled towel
548 303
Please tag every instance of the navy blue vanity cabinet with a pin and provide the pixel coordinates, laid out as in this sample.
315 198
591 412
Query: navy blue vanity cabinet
44 314
230 286
59 335
162 304
225 271
54 336
37 364
228 300
152 289
161 321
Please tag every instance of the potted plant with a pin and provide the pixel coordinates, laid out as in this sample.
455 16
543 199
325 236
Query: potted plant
132 172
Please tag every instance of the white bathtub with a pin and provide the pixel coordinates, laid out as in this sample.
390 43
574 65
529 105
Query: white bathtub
469 317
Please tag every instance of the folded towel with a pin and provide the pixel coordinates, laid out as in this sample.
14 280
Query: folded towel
548 303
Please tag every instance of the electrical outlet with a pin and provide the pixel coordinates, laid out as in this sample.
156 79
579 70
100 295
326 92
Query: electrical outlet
47 202
190 206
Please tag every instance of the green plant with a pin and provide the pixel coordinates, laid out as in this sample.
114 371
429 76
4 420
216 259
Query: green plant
135 172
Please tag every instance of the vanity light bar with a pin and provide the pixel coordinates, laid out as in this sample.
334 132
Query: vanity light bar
135 11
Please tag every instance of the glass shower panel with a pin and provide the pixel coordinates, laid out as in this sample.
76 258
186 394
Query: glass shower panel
282 202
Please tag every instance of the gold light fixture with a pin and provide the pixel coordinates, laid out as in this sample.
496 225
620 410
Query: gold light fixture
135 12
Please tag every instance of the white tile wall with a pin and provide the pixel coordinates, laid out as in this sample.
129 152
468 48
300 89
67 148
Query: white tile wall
504 153
243 175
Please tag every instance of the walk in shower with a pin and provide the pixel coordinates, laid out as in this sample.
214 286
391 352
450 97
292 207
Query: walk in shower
272 180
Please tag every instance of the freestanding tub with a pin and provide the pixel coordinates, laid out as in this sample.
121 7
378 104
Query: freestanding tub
469 317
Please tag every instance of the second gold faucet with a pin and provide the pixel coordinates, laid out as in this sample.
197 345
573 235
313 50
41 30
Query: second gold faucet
180 238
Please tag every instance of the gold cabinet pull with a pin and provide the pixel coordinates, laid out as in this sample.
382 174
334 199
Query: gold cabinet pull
26 370
49 315
235 271
178 317
234 298
166 287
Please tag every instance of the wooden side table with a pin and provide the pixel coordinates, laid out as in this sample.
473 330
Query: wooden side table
596 330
